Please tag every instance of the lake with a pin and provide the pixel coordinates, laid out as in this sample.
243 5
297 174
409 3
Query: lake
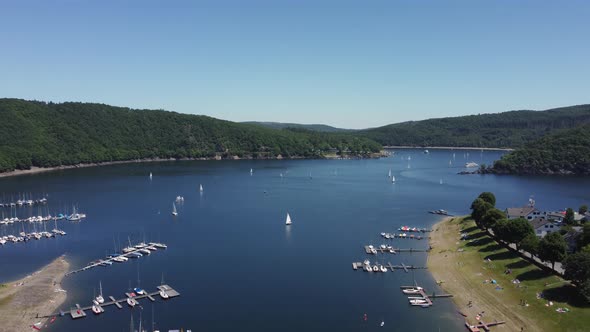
230 255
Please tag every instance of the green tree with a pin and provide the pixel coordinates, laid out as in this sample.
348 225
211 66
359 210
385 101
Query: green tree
583 209
530 244
569 217
577 269
479 207
516 231
501 229
488 197
491 217
552 248
584 238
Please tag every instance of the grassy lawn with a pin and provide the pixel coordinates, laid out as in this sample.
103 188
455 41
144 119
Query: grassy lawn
481 250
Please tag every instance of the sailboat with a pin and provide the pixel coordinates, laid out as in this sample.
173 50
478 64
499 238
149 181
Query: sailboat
201 188
251 171
99 298
389 175
392 179
150 175
174 213
288 221
441 181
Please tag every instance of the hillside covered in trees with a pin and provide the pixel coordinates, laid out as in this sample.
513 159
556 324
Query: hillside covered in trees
43 134
509 129
313 127
563 152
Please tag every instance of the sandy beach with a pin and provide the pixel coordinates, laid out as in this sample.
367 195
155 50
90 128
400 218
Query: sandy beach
37 294
460 274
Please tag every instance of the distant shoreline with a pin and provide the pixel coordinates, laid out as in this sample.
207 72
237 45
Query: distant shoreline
37 170
445 148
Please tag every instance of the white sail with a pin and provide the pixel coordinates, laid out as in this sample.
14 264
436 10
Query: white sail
150 175
201 188
441 181
392 179
288 221
389 172
251 171
174 209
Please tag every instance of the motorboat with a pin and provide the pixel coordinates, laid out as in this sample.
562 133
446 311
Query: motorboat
96 310
131 302
375 268
415 290
383 268
139 291
99 298
164 295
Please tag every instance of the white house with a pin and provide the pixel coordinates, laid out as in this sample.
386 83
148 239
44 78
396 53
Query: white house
543 226
526 212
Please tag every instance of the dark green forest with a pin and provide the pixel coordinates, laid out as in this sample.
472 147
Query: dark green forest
34 133
563 152
509 129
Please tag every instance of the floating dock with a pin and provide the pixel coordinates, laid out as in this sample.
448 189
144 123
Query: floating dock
391 236
109 261
421 295
368 250
80 312
389 266
482 326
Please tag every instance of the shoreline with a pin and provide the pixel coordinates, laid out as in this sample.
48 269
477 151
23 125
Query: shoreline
28 301
36 170
445 148
458 275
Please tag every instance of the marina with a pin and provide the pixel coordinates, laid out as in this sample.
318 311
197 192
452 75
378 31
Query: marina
139 250
414 229
164 291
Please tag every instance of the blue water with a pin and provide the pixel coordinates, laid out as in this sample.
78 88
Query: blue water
230 255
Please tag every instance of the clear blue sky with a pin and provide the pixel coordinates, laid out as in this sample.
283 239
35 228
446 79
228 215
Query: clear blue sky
350 64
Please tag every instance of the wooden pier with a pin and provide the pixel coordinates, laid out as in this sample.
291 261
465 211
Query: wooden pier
80 312
482 326
389 266
110 261
388 251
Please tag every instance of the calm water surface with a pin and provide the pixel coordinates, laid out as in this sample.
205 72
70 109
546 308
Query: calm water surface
229 253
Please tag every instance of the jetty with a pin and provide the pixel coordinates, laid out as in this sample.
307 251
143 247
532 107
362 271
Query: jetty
24 202
389 266
420 297
482 326
414 229
402 236
80 312
138 251
372 250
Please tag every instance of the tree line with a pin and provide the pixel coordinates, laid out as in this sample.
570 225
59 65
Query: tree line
551 248
563 152
34 133
509 129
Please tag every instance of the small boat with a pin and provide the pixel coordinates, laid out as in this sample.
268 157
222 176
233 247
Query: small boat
164 295
383 268
367 262
389 175
174 213
375 268
441 181
96 309
251 171
288 220
471 165
382 323
145 251
131 302
418 301
415 290
99 298
150 175
392 179
201 188
139 291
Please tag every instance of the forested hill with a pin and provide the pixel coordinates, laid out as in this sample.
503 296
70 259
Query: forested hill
509 129
313 127
564 152
50 134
